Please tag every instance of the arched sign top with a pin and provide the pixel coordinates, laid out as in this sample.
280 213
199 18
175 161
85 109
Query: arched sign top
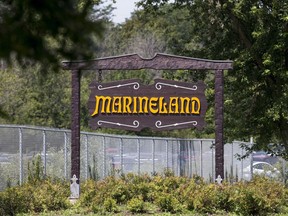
160 61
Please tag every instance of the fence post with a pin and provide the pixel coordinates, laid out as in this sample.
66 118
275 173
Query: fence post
242 165
201 159
173 160
86 155
213 152
138 155
44 152
189 160
232 160
121 156
178 158
153 156
20 157
65 155
251 157
167 162
284 170
104 156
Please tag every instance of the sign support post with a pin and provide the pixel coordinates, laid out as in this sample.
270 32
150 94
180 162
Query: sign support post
75 130
219 120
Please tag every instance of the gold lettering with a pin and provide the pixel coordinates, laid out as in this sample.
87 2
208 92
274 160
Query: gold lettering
162 106
127 101
140 105
106 102
135 104
116 105
196 105
184 109
173 105
143 101
153 105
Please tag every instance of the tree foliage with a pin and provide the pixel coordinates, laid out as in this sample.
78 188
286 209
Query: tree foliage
255 35
50 31
35 36
28 97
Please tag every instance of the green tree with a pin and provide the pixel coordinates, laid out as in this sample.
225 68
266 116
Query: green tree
255 35
29 97
50 31
35 36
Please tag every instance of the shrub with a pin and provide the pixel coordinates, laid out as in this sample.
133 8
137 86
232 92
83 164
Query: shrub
142 189
110 205
94 193
261 196
50 195
203 199
168 203
45 195
223 197
169 193
37 195
136 205
121 193
14 200
89 190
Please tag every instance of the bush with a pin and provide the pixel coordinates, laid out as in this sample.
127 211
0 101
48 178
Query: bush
50 195
261 196
142 189
168 203
136 205
175 194
94 193
89 190
202 199
45 195
110 205
136 193
15 200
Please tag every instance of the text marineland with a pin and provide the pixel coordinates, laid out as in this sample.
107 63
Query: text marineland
146 105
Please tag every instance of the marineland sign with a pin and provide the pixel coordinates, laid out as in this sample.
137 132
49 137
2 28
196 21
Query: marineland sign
164 105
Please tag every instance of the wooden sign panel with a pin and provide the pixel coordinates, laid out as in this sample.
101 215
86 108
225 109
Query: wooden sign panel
165 105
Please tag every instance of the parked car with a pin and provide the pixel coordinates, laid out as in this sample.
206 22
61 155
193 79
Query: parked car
264 156
128 161
5 158
261 168
131 160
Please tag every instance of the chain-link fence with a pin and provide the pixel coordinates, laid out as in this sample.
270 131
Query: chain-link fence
103 155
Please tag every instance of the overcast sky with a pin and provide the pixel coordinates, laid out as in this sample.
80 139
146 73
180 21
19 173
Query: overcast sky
123 10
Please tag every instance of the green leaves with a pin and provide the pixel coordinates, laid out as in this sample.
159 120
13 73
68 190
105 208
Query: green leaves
28 97
254 35
28 27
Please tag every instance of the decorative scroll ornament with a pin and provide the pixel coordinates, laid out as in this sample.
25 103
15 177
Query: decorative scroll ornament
158 124
158 86
135 124
136 86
